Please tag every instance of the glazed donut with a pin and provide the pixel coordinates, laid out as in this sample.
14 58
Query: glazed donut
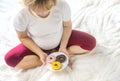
56 65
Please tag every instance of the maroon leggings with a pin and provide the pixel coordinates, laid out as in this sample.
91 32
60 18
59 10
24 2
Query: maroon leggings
84 40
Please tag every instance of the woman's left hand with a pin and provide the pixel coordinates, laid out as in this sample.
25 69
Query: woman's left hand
64 50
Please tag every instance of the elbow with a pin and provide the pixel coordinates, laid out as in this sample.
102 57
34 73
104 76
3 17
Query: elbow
23 39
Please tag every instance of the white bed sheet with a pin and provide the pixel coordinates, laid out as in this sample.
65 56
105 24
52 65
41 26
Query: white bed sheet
101 18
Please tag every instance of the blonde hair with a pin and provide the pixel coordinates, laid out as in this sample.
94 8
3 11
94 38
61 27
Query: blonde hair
36 4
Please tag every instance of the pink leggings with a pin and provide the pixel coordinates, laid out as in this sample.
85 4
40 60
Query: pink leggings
84 40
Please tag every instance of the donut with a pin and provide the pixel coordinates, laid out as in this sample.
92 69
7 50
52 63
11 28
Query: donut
50 58
61 58
56 65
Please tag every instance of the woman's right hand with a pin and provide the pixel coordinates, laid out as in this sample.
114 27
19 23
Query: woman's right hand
43 57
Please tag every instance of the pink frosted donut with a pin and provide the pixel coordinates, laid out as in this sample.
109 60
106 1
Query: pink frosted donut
51 58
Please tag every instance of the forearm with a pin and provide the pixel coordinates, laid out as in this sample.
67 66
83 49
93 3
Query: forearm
66 35
30 44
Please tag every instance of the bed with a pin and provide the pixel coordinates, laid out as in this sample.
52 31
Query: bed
100 18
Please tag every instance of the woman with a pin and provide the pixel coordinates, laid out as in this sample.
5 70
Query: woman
44 26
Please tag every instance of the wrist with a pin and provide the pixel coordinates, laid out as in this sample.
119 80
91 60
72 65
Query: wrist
63 46
41 53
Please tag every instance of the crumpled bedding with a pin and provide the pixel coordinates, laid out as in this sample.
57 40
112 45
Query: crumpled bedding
100 18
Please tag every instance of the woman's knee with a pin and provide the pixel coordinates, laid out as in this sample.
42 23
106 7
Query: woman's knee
82 39
11 59
15 55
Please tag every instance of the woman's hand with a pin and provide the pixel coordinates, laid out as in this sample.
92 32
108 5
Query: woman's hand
43 57
64 50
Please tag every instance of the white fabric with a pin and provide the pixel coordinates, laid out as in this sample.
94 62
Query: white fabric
100 18
46 32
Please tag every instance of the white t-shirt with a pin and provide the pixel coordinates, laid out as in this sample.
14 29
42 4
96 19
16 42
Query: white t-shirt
45 32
